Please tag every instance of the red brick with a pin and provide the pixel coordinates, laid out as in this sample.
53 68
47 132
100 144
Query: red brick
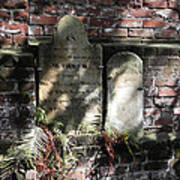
123 3
173 25
119 32
101 22
52 9
21 15
108 2
21 4
174 4
159 61
150 115
163 102
14 4
92 32
163 121
148 102
176 111
84 20
155 3
174 62
93 11
135 3
148 81
166 91
167 33
35 30
23 28
125 22
153 23
4 14
151 91
141 12
141 33
74 174
6 40
48 30
166 82
19 39
107 12
167 13
43 19
167 72
119 12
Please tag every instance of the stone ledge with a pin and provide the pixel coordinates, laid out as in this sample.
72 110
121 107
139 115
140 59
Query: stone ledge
159 43
93 139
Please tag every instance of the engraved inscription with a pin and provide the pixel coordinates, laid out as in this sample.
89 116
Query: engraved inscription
70 81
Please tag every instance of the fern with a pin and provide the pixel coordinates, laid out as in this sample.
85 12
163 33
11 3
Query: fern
21 155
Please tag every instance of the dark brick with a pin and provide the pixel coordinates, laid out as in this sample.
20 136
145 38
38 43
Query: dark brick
18 98
159 151
26 86
5 73
22 73
164 102
6 86
26 61
155 165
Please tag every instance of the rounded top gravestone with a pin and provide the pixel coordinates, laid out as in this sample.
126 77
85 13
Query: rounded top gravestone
125 95
70 29
70 81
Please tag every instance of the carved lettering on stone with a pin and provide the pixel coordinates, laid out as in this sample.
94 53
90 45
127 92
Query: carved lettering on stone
125 95
70 81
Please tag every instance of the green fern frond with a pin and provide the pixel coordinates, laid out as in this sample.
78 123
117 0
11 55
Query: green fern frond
20 156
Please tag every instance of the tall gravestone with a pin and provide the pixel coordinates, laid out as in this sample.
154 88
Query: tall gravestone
70 81
125 95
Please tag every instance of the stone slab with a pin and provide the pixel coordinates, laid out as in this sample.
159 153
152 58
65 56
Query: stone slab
70 81
125 95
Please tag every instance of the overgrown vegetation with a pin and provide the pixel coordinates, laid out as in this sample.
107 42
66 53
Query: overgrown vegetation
43 149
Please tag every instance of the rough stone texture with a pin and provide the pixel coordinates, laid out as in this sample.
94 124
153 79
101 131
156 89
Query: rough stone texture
161 86
70 81
17 94
125 95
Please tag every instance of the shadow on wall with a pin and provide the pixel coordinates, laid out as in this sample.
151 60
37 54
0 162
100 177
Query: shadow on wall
16 93
70 82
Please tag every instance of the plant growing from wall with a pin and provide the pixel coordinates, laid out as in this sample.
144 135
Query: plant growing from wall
38 151
22 154
113 139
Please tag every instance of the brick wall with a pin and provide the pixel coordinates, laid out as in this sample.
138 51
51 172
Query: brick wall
17 95
161 85
148 19
22 20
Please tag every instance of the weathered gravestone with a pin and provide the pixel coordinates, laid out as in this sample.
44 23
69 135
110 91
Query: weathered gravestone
70 81
125 95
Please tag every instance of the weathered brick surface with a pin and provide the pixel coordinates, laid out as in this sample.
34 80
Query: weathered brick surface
161 90
148 33
17 92
154 23
119 32
148 19
158 19
156 3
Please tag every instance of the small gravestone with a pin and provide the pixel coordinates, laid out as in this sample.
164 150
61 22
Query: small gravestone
70 81
125 95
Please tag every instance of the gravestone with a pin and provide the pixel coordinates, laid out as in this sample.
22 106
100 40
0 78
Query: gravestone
70 81
125 95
